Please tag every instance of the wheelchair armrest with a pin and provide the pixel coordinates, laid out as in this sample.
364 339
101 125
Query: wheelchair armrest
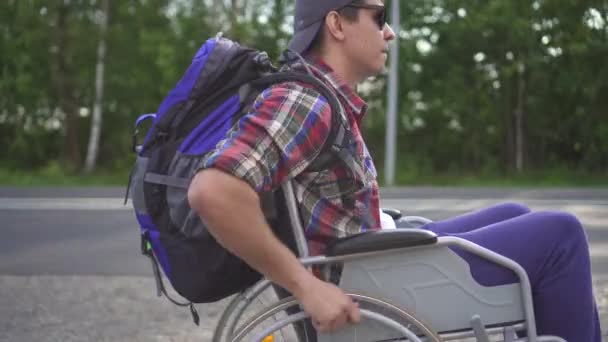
394 213
380 240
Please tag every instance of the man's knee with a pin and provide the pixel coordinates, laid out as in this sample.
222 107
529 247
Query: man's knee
565 226
572 226
514 209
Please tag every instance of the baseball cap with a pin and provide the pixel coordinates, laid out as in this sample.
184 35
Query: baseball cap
308 19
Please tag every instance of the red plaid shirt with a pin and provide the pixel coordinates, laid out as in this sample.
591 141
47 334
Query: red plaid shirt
279 139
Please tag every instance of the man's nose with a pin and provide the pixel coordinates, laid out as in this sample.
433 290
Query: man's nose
389 34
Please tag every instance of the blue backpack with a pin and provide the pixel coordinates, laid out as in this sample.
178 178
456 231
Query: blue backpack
218 88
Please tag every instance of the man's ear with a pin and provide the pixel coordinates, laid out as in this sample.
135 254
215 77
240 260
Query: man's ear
334 26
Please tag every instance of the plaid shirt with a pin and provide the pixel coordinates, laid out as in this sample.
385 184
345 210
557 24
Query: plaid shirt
278 140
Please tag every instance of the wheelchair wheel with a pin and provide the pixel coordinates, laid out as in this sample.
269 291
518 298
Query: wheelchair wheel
242 307
402 325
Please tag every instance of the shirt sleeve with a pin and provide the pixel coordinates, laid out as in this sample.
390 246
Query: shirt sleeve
285 131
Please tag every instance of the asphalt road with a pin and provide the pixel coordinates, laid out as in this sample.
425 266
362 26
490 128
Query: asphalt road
70 268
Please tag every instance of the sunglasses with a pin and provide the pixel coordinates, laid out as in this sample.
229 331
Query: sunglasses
380 16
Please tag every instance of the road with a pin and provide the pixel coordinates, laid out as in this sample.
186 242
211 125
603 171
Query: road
70 268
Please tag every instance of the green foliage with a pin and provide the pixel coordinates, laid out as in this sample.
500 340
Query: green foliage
467 69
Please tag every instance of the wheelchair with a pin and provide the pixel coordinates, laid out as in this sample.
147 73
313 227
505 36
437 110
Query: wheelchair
409 284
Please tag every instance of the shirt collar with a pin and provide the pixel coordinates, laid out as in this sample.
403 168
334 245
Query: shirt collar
345 91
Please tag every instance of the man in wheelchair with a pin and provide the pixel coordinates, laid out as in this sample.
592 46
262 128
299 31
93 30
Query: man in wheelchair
344 42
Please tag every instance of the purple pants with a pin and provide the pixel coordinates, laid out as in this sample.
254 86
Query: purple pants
552 248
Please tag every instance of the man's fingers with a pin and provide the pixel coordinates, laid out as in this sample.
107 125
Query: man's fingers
338 322
333 323
330 308
354 315
349 312
318 326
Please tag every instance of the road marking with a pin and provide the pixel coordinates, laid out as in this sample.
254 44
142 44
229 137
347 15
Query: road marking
410 205
598 250
89 203
475 204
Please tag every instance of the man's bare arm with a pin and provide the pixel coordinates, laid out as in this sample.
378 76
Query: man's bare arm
231 211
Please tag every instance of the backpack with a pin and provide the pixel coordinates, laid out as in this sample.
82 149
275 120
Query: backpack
215 92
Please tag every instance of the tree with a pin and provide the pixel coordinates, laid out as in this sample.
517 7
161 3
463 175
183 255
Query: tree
485 86
96 121
64 83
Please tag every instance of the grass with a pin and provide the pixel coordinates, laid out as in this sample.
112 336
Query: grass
529 179
56 175
557 177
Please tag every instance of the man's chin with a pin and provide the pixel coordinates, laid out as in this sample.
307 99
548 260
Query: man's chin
377 70
383 70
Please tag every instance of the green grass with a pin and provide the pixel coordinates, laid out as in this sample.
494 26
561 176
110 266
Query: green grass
537 178
56 175
529 179
557 177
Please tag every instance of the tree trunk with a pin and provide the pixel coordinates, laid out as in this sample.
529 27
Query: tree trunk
519 118
233 14
509 141
278 16
96 121
217 10
65 87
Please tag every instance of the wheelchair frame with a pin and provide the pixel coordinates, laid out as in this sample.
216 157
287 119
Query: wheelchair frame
228 328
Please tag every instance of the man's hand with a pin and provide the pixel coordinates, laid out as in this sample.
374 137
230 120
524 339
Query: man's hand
328 306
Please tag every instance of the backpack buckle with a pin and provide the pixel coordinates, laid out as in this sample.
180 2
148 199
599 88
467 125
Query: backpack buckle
146 247
134 147
144 117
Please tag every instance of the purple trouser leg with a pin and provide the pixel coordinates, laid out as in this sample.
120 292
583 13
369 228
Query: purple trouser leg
552 248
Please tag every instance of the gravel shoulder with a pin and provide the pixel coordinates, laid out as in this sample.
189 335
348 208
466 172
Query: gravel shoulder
98 308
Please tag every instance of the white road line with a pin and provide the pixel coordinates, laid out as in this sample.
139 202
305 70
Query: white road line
411 205
89 203
598 250
475 204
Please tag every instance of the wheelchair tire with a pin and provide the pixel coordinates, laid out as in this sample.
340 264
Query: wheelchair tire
237 308
373 308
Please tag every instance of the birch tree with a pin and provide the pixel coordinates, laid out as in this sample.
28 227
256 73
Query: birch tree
96 121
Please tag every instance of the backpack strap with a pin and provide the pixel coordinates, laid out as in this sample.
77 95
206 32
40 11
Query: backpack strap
340 139
339 136
176 182
146 250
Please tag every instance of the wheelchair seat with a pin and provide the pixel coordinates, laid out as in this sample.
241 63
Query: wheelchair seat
381 240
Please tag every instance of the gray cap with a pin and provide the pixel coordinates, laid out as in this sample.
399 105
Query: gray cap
308 19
